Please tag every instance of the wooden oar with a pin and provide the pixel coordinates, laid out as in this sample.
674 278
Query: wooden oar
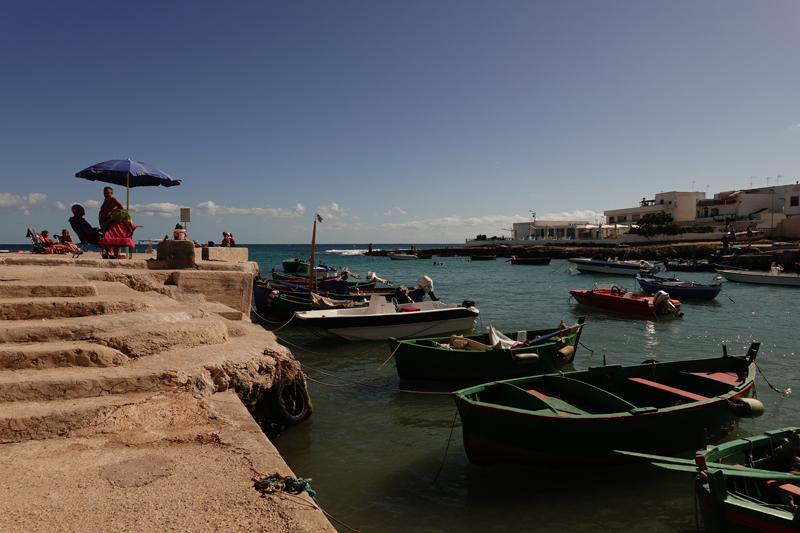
735 471
543 338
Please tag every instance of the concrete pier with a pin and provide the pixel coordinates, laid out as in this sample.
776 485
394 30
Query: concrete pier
133 393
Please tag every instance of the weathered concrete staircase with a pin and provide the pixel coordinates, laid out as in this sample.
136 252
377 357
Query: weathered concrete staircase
78 346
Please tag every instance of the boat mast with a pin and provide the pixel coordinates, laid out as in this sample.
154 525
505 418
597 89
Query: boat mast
312 269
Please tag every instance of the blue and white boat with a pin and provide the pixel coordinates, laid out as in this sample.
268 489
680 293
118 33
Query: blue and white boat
678 289
382 320
613 266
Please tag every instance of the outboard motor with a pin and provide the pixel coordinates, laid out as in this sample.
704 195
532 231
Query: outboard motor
467 304
401 295
426 285
372 277
661 301
347 274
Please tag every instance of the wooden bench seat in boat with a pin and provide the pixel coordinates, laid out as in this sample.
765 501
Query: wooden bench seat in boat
731 378
684 395
578 397
786 487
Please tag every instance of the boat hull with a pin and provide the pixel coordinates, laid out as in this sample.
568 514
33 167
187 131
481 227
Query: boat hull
294 266
763 278
679 289
533 261
422 360
690 267
620 268
510 422
364 324
639 304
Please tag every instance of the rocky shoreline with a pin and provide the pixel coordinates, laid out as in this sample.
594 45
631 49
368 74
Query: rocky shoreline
758 256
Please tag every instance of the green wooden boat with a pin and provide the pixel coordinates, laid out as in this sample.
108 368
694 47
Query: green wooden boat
284 306
580 418
302 279
295 266
473 357
744 485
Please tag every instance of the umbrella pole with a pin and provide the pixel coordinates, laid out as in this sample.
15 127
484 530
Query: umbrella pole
128 192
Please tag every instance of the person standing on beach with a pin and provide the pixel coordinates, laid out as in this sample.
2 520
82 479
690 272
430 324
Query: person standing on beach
749 236
110 204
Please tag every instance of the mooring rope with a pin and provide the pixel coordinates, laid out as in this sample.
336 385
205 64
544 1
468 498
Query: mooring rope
449 438
779 391
353 382
284 341
360 382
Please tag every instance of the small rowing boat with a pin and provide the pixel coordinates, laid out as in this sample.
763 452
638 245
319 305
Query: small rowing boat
488 356
580 418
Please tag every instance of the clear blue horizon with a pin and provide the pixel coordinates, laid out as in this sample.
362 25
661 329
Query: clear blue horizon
402 122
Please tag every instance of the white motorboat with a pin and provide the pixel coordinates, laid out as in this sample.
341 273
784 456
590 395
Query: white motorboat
383 319
613 266
402 257
775 276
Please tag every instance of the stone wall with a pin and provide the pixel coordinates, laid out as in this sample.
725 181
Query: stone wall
788 228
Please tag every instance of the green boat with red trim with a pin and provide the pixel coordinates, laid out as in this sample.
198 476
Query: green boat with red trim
580 418
745 485
478 357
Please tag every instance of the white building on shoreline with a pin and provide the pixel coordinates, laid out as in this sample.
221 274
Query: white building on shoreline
774 210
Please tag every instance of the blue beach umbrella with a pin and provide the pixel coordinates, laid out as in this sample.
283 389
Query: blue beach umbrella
128 173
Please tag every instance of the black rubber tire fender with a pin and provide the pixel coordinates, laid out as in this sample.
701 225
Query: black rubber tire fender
288 402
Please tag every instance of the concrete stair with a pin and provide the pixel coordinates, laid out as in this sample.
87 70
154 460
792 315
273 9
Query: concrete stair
72 350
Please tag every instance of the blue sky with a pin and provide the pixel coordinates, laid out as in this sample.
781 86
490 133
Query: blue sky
399 122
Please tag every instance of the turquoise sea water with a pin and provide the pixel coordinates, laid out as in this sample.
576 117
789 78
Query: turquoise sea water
373 452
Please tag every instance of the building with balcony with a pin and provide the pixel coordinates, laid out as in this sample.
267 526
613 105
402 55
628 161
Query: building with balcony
681 205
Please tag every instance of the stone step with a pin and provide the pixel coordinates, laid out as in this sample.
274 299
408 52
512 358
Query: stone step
73 329
143 341
41 356
53 308
197 367
20 421
72 383
39 290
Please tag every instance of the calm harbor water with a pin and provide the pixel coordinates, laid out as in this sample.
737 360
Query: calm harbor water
373 451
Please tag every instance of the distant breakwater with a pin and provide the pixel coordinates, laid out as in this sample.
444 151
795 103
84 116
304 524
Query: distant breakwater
759 256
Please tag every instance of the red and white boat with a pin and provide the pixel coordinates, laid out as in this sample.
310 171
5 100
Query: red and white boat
615 297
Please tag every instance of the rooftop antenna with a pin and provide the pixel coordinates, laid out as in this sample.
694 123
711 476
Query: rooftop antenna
768 178
778 179
751 180
533 213
693 182
707 187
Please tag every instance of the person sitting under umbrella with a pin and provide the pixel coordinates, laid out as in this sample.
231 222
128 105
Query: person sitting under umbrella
118 233
85 232
110 204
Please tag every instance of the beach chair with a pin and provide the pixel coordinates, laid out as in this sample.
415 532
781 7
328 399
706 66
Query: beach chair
39 245
85 239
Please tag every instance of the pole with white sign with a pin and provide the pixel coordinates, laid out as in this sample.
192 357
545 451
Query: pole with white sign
185 219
